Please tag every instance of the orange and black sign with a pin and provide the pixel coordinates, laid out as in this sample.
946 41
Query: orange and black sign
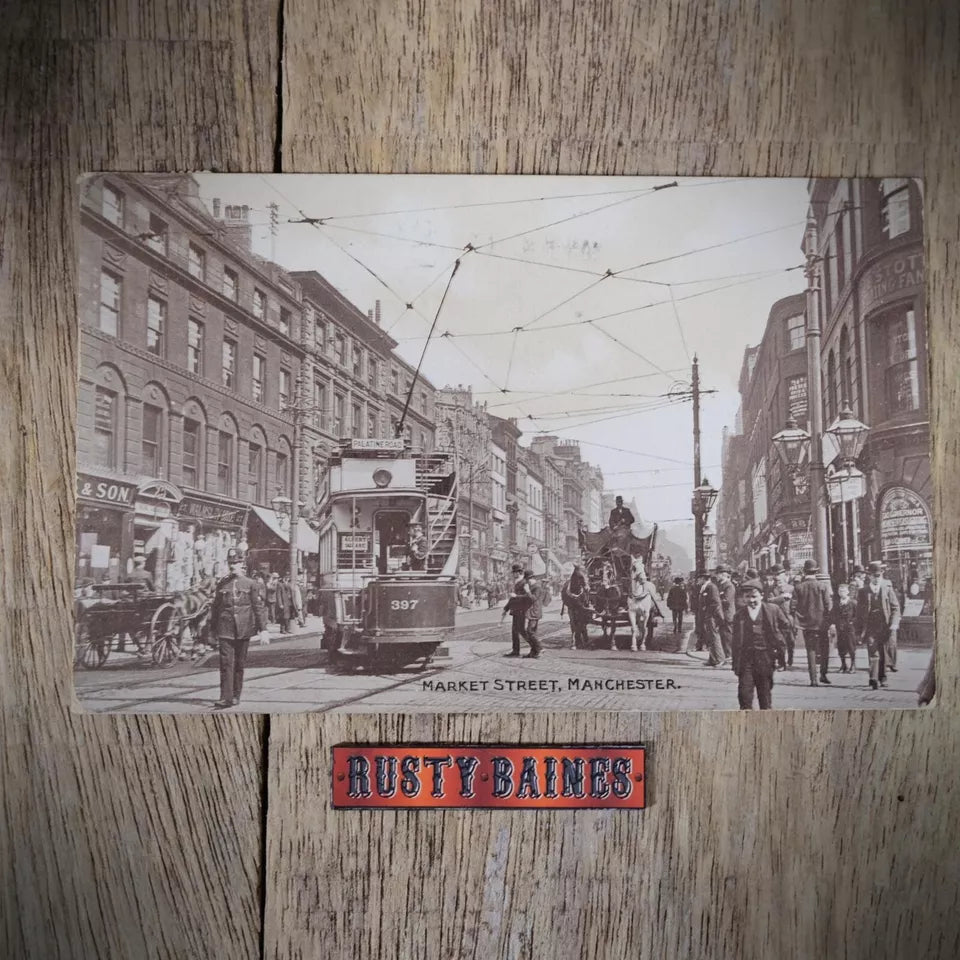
418 776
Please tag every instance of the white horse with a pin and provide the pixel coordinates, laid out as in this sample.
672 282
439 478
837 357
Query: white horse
639 604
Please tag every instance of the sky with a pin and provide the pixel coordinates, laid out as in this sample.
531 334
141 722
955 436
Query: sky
579 309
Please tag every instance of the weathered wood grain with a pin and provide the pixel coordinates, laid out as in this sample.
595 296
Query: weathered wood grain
801 835
119 837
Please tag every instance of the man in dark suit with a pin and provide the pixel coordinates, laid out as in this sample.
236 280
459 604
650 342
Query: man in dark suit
677 603
237 613
728 606
534 614
810 607
710 615
516 606
620 516
757 643
877 621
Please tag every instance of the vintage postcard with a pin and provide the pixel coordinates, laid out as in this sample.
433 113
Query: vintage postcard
462 443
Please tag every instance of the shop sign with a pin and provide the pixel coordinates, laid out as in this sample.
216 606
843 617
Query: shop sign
904 521
105 491
797 398
885 280
159 511
216 514
359 542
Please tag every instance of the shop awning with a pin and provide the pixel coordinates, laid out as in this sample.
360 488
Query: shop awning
308 541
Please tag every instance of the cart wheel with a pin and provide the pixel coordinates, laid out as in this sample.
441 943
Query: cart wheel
165 629
92 652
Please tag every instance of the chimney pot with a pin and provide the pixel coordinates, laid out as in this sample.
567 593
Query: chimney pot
216 207
376 312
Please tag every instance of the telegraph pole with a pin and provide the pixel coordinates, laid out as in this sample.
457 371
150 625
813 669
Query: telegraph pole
698 518
295 486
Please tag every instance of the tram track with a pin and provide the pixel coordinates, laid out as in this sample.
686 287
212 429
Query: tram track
487 633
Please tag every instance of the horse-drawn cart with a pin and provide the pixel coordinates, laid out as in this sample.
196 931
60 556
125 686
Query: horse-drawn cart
620 593
109 615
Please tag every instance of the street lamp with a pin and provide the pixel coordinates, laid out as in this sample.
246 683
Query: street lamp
704 497
850 435
792 444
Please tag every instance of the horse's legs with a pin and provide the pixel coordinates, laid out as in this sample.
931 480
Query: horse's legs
632 616
642 627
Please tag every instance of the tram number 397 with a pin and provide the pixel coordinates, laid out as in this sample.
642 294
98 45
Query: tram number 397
403 604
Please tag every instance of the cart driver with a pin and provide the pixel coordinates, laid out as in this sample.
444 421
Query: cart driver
140 574
620 516
416 546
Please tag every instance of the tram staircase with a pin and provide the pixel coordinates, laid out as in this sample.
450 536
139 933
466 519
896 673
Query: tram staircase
437 479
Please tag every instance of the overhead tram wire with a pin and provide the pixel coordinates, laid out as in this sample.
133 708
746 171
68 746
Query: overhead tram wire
476 366
676 316
416 376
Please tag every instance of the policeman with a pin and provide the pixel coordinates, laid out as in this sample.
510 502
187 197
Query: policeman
238 612
516 606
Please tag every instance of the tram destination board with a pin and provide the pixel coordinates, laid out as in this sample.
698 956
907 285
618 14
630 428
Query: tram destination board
534 444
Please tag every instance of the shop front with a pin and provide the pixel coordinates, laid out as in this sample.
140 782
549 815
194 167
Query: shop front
906 546
268 537
155 531
104 528
208 527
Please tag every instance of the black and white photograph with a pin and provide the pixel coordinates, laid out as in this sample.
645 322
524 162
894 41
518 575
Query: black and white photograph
411 443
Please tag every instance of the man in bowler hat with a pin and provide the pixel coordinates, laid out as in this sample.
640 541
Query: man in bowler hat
516 606
810 607
877 621
757 641
238 612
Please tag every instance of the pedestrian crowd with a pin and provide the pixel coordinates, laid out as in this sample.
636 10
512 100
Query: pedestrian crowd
755 623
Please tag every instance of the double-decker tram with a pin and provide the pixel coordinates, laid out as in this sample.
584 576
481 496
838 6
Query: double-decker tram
387 563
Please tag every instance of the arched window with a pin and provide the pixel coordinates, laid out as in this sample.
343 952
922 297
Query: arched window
107 438
155 425
256 466
227 456
194 445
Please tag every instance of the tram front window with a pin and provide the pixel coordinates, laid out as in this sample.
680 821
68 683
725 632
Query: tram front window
391 530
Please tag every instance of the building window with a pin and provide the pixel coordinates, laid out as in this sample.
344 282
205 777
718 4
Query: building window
830 400
423 402
157 237
284 398
319 404
231 284
894 206
846 370
112 207
357 361
229 362
151 458
395 381
319 336
192 464
796 333
254 472
225 463
902 375
356 420
105 428
841 253
156 322
259 304
109 303
195 347
259 376
338 415
373 373
423 442
197 262
280 475
371 424
285 321
340 349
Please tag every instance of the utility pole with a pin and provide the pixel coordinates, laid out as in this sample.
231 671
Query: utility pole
295 486
818 502
698 518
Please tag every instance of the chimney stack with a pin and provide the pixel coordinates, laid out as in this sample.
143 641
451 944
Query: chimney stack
376 312
216 207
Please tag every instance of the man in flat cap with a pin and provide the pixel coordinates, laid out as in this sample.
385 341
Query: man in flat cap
237 613
877 621
810 607
758 634
728 606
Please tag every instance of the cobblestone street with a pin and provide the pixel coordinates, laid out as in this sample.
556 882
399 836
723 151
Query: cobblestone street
294 674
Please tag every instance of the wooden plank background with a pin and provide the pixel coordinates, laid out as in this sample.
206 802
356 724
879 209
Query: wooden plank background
783 835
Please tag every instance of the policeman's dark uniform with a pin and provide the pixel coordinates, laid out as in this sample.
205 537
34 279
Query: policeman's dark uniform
516 606
757 647
238 612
